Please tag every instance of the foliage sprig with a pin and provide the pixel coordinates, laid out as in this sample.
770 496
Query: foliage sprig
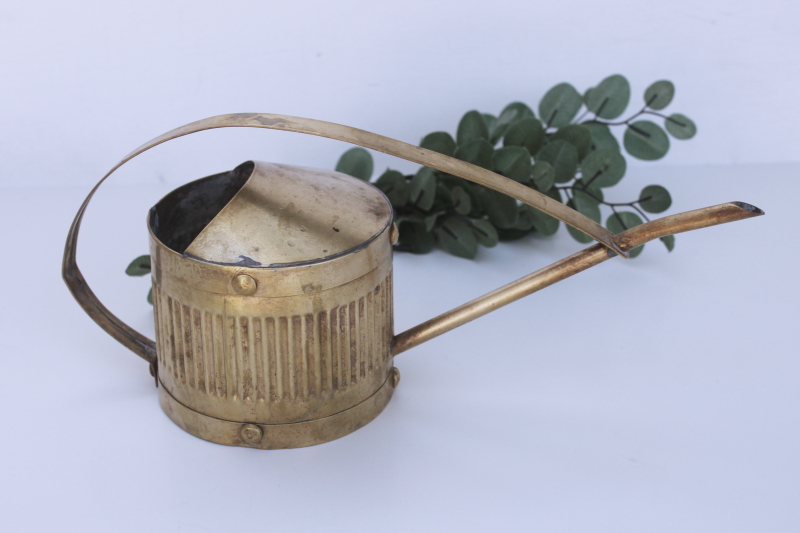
572 160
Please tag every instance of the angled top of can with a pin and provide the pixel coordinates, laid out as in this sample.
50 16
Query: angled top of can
284 215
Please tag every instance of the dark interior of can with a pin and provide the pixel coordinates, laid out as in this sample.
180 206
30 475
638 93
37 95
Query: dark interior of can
181 215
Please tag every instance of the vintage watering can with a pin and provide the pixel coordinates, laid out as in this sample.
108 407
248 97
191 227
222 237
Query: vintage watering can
272 289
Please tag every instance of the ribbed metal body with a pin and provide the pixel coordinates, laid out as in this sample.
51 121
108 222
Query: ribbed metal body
274 360
272 347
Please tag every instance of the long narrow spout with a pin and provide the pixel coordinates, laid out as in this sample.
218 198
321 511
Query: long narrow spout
682 222
569 266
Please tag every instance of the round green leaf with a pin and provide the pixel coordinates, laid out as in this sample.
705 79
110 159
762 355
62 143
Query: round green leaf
443 200
457 238
527 132
512 162
150 296
578 136
560 105
356 162
622 220
564 158
515 111
602 138
578 235
471 190
587 94
461 200
646 140
139 266
543 175
555 194
544 223
501 209
591 210
655 199
669 242
439 141
430 221
659 94
680 126
586 199
588 208
478 152
603 168
485 233
414 238
471 127
525 217
422 188
491 127
610 98
511 113
636 251
394 186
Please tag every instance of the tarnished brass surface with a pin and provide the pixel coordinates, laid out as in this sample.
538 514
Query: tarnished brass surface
285 214
304 341
278 436
589 257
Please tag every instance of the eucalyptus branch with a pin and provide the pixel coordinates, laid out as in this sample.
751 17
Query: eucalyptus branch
558 154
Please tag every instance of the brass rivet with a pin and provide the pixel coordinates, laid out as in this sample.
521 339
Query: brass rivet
244 284
395 377
394 234
251 433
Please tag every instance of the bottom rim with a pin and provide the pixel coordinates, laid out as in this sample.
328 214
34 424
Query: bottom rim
278 436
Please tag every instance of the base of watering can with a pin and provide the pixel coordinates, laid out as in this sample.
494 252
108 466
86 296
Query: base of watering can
278 436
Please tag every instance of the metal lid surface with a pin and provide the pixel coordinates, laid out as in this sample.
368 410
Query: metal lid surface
288 215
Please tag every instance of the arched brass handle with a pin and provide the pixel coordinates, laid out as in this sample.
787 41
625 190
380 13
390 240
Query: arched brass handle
145 347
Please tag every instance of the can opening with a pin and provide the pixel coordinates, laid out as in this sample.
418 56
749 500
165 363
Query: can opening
178 218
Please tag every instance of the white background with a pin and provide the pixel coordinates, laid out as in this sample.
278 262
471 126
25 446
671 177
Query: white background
83 82
652 395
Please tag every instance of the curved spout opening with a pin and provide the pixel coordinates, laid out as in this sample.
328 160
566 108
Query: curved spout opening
748 207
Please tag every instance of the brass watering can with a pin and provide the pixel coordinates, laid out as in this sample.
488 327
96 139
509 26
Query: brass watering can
272 289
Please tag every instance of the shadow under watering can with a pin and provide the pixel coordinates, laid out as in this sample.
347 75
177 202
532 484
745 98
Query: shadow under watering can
272 289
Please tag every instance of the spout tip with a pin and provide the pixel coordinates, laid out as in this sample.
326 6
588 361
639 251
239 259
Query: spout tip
748 207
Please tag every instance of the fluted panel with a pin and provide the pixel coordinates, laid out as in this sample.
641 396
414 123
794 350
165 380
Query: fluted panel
274 358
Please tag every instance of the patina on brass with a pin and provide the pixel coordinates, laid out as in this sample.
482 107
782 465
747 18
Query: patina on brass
272 289
302 333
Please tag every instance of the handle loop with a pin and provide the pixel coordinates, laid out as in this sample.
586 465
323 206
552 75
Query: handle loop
145 348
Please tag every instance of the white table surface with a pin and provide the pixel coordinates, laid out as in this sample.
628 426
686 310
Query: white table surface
659 394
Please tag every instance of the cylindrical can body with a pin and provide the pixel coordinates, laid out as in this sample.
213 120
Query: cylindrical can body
274 357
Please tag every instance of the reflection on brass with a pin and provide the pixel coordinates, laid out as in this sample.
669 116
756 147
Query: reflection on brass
272 289
394 234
